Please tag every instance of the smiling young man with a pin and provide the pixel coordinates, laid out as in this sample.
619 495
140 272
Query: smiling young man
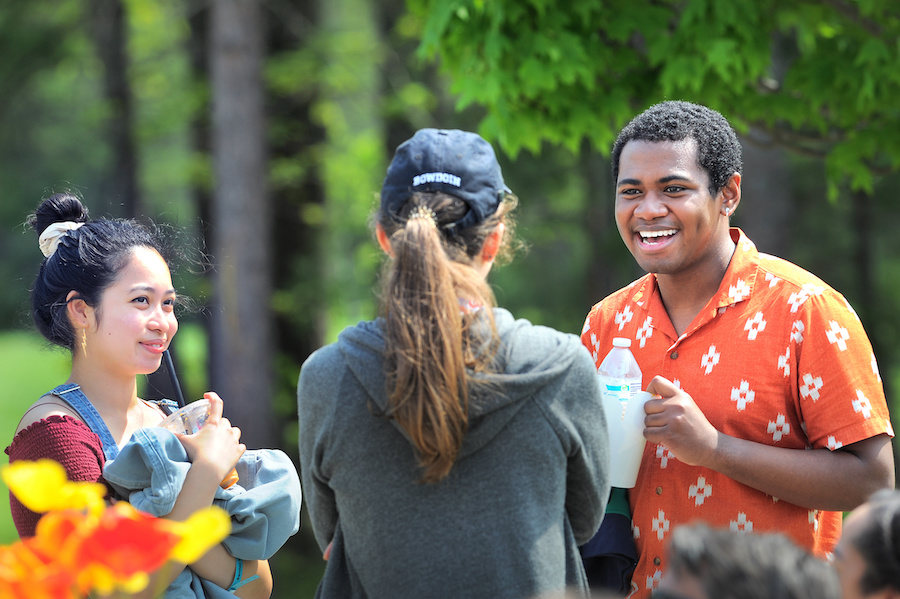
771 413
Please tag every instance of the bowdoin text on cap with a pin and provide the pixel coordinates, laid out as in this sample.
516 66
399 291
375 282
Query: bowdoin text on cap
459 163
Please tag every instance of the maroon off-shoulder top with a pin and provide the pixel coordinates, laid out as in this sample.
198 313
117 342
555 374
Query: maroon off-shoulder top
65 440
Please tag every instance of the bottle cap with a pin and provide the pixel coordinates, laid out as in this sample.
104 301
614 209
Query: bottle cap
621 342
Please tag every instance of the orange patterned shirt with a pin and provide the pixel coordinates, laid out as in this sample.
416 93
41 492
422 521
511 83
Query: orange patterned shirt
776 357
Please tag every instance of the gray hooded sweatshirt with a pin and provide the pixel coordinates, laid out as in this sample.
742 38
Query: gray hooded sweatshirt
529 485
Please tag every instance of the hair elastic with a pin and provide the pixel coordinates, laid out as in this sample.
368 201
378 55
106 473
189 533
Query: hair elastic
49 239
423 212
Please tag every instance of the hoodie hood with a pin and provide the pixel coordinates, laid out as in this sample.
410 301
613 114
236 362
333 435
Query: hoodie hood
529 358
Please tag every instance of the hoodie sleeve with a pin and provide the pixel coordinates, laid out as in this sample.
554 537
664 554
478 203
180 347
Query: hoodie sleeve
315 407
578 416
588 487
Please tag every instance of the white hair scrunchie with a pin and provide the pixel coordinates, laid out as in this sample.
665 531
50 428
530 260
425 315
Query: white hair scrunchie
49 239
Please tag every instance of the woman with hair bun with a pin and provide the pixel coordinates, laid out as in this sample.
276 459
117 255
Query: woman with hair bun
447 449
105 293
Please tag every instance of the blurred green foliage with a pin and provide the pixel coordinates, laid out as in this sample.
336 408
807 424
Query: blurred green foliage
816 74
549 83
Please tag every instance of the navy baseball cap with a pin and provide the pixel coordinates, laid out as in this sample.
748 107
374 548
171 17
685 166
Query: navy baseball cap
455 162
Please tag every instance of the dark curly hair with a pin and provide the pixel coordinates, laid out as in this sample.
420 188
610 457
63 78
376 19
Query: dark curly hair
87 261
718 149
731 565
879 543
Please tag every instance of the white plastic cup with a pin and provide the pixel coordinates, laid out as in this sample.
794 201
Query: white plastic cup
626 437
189 419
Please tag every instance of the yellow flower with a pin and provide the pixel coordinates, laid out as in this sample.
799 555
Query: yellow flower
199 533
42 486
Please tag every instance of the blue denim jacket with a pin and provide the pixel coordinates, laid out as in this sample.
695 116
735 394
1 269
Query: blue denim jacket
264 504
150 469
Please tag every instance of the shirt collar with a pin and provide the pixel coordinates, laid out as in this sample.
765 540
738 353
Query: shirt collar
736 286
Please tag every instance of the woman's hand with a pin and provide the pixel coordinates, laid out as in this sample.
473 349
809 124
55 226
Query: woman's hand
213 451
217 444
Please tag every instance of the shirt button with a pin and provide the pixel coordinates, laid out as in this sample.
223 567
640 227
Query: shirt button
659 490
656 561
674 355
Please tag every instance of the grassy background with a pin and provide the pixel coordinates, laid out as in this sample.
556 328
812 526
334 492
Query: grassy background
29 368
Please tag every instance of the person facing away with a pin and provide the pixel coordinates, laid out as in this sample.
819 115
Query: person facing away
771 413
104 292
447 449
708 563
867 558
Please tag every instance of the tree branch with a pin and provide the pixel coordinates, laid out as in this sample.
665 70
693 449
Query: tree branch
851 12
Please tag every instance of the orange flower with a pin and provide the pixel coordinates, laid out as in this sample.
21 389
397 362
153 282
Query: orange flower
123 547
25 573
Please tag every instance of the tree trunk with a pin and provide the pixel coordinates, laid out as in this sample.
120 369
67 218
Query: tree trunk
242 355
612 266
767 206
863 225
872 306
119 189
108 25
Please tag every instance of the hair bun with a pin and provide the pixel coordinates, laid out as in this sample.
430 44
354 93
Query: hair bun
59 207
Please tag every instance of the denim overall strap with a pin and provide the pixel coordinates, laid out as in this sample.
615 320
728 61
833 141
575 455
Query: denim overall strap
72 395
166 405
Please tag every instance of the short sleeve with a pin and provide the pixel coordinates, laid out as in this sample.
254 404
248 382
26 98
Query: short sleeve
589 332
62 439
840 392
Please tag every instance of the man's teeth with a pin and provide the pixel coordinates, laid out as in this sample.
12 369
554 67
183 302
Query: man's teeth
648 234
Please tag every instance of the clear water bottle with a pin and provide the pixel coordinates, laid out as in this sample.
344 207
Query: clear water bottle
619 373
623 404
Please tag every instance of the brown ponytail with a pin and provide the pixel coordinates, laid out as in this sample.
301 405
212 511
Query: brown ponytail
432 350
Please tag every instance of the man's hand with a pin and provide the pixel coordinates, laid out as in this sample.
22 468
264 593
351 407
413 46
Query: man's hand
675 421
